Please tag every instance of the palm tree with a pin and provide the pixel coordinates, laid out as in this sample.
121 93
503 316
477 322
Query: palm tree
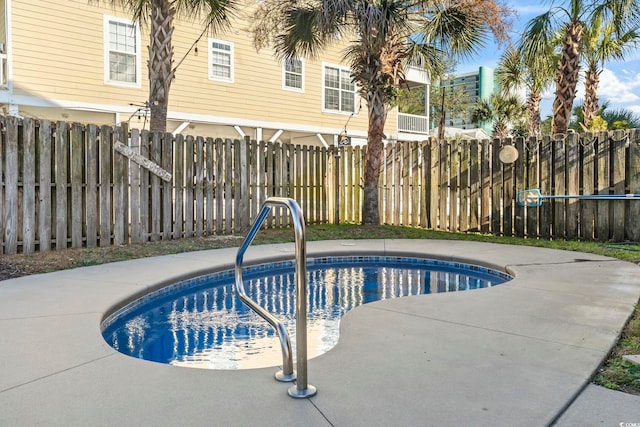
160 65
613 119
571 23
519 68
386 36
602 43
503 110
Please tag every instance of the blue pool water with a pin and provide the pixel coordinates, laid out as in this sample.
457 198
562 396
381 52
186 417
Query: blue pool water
202 323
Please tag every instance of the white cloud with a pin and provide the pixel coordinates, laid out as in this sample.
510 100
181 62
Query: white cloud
634 108
619 89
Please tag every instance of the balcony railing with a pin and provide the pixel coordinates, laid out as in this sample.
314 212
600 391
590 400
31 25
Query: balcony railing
413 123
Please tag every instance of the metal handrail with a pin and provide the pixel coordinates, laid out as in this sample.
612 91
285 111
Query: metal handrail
301 389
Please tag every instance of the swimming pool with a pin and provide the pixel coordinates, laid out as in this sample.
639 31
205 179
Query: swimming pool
201 322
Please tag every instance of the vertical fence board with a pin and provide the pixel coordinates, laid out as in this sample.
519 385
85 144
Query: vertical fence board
228 189
270 184
145 224
105 188
262 175
209 184
603 175
416 173
559 178
573 185
178 186
520 167
91 191
405 177
253 180
166 162
304 183
485 191
587 214
244 185
155 151
189 187
454 180
77 162
465 193
619 142
297 176
120 205
324 185
532 151
444 184
317 185
135 190
29 186
383 183
61 147
312 185
508 178
44 187
497 186
546 164
475 179
277 181
436 164
11 171
199 186
425 158
219 185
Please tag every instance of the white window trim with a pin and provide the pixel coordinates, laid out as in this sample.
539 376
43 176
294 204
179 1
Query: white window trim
284 77
231 63
355 94
107 77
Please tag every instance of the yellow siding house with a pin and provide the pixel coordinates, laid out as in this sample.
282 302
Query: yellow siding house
56 65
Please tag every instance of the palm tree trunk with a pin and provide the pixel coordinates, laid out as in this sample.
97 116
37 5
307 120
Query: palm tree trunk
533 110
373 160
160 63
567 78
591 106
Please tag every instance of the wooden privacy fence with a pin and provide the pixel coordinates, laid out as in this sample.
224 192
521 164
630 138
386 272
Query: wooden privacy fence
64 185
463 186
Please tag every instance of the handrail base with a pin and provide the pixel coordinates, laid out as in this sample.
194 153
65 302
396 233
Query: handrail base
301 394
285 378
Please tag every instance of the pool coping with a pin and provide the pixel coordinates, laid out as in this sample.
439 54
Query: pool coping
518 353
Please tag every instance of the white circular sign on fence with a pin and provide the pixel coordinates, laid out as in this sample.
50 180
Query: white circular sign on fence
508 154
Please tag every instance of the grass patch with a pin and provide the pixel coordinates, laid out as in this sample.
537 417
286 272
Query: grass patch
615 374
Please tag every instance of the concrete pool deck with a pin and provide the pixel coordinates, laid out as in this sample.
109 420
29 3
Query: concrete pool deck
517 354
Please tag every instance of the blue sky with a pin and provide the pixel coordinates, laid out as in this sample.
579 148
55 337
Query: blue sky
619 81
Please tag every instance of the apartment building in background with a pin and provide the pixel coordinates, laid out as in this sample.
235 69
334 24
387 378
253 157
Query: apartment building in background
82 61
475 85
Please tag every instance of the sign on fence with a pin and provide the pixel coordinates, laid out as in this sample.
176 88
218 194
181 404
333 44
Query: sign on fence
152 167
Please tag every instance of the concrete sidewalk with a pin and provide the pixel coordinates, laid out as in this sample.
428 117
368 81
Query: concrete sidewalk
516 354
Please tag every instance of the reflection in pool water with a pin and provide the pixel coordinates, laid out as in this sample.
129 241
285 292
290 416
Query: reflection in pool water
202 322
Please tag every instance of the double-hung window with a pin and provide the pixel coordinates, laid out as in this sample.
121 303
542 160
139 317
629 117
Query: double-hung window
339 92
122 52
293 74
220 60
